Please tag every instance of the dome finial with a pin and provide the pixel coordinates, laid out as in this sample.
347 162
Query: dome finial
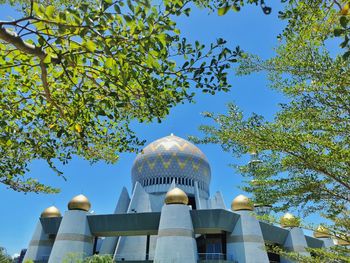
322 232
79 202
241 202
289 220
51 211
176 196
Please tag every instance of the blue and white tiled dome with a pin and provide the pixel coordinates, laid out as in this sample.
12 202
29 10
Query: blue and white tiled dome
169 159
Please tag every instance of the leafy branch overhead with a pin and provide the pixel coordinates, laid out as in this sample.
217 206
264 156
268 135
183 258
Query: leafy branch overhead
75 75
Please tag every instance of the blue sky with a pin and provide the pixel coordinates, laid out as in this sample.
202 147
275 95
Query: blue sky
250 29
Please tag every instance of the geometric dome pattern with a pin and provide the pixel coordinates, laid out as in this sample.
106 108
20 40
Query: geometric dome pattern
171 156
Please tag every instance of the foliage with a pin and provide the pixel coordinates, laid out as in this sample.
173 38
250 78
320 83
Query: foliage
223 6
4 257
99 259
332 255
305 149
75 74
78 258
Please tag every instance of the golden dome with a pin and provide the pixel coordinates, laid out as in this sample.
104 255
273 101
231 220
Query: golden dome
321 232
288 220
79 202
176 196
343 241
242 202
51 211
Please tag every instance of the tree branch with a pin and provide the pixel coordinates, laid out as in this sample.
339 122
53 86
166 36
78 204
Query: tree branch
20 44
14 39
46 88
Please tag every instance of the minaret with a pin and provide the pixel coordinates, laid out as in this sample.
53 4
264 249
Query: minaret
323 234
73 237
295 241
176 242
246 242
40 246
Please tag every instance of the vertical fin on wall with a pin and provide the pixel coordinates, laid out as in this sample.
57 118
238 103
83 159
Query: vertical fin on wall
134 247
109 243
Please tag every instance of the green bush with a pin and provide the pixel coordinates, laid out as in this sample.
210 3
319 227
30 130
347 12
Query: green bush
99 259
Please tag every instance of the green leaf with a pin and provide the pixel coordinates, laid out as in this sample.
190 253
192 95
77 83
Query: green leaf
50 10
343 21
47 59
236 8
109 62
90 45
346 55
223 10
338 32
117 9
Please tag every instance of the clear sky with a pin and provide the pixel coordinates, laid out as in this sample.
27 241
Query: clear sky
250 29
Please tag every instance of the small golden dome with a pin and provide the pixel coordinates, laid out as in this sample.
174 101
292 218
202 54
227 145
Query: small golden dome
176 196
321 232
51 211
343 241
242 202
288 220
79 202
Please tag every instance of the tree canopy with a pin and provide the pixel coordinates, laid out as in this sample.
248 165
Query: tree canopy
4 257
75 74
305 149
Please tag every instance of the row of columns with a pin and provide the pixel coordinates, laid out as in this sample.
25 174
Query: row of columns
176 239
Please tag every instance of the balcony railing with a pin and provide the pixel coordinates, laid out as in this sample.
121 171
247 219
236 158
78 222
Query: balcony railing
211 256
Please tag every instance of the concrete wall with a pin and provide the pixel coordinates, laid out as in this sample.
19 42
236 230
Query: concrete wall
40 245
175 243
246 244
73 237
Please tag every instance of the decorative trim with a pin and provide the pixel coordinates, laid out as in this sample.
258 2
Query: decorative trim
46 243
245 238
175 232
74 237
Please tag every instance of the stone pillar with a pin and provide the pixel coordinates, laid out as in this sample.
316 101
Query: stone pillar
295 242
327 242
40 246
176 242
246 243
74 239
322 233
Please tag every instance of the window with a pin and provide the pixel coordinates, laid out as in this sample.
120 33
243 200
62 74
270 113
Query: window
212 246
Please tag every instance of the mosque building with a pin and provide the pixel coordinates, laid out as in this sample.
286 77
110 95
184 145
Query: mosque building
169 217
